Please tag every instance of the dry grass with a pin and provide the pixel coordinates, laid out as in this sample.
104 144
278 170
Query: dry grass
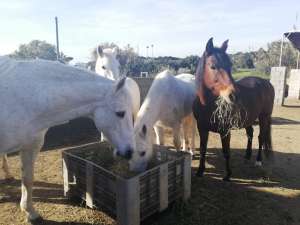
247 200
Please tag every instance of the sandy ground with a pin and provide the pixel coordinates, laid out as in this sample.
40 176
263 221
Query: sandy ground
248 199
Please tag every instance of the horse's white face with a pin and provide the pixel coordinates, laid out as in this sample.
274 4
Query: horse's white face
107 64
144 148
115 120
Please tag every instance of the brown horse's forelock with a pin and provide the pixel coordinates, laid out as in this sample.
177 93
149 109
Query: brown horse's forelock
223 62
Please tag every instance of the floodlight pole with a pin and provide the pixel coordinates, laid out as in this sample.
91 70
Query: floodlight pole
57 41
281 50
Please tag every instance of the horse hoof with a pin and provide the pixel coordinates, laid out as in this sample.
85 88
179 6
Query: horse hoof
258 163
36 221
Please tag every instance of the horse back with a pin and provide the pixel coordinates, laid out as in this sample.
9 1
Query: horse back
256 94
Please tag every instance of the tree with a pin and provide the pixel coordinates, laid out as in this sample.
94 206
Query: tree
38 49
265 59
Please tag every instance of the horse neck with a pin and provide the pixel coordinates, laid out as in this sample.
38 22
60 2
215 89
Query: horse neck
149 112
72 95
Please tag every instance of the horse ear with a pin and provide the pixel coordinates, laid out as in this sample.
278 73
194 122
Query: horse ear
99 51
199 79
120 84
209 46
115 51
143 132
224 45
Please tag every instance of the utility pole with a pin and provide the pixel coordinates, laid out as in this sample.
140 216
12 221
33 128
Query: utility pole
152 49
280 57
57 41
147 47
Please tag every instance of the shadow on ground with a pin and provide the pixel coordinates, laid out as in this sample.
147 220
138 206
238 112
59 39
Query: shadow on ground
246 200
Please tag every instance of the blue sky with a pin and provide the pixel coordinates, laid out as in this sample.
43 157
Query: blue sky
177 28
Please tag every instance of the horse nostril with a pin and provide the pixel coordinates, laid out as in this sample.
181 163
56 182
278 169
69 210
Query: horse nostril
128 154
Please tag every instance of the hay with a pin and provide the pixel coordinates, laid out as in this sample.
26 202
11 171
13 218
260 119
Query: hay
104 157
228 115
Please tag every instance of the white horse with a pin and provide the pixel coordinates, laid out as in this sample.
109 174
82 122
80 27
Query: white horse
36 95
167 104
107 65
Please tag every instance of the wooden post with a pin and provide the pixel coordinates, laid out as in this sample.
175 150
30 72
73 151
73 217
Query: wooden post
187 173
163 187
65 175
89 195
128 201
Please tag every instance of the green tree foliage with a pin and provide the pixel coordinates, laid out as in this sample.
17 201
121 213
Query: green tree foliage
243 60
38 49
259 61
262 60
265 59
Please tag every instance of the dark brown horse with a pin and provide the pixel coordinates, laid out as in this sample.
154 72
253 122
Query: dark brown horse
223 104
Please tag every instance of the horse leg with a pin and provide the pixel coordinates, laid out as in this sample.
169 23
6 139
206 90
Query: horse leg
268 150
7 174
176 137
193 134
226 152
28 155
249 131
261 138
103 138
185 129
203 146
160 138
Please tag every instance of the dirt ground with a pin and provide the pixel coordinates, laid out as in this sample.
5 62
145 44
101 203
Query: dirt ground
246 200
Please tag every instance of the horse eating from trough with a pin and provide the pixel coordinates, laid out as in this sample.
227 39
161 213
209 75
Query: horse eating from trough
39 94
223 104
168 104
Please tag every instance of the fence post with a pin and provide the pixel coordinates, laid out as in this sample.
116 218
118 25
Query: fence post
128 201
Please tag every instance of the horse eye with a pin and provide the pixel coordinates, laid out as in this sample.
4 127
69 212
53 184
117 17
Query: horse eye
120 114
103 67
213 67
142 154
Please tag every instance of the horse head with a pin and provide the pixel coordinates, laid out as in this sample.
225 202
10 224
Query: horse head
213 73
115 120
107 63
144 147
